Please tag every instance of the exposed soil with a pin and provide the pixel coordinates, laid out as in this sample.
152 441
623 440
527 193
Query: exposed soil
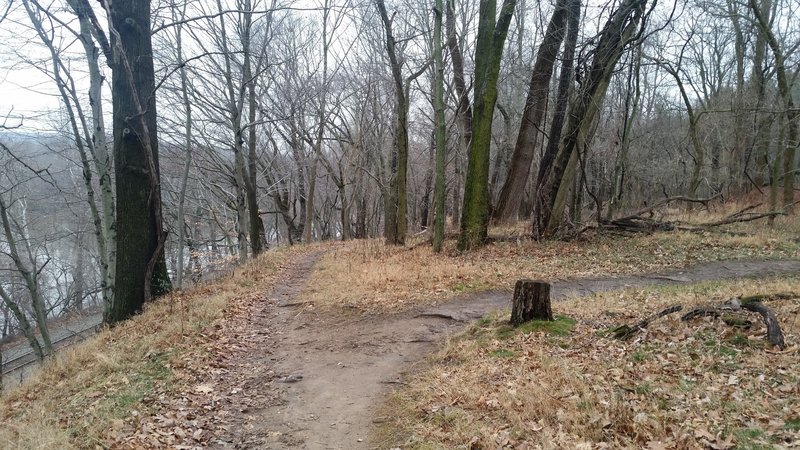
312 379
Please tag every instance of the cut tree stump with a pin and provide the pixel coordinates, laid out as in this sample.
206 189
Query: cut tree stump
531 302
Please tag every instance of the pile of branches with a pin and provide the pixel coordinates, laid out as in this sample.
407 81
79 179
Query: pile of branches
725 311
646 221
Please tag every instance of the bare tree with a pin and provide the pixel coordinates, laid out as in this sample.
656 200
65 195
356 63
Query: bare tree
492 30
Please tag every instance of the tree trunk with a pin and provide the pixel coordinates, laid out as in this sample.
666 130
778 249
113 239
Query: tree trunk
397 202
425 207
94 139
440 138
535 106
531 302
491 38
464 109
613 38
565 81
24 325
141 269
632 98
738 150
257 243
792 114
187 137
29 273
763 120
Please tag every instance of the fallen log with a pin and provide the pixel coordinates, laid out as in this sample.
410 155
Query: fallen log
774 333
722 312
752 303
642 221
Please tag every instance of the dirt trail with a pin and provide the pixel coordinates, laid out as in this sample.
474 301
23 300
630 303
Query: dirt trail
332 370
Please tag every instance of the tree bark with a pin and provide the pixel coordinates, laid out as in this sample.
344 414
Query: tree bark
492 31
187 138
531 302
632 100
440 131
532 115
792 113
397 202
464 109
257 244
614 37
141 269
29 275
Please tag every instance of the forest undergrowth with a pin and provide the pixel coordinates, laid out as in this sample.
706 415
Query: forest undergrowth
374 277
91 395
88 396
570 384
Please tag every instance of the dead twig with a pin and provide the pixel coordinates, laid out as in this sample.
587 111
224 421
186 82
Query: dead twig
627 331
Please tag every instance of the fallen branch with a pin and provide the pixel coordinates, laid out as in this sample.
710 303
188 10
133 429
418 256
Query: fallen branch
639 225
766 297
666 201
723 312
626 331
751 303
742 218
636 223
774 333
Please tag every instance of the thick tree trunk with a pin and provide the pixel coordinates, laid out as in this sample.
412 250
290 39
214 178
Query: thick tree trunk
141 269
535 106
531 302
257 244
491 39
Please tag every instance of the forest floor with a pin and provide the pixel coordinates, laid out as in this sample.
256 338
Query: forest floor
294 351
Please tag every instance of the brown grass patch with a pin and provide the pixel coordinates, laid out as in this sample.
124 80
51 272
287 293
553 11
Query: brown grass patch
678 385
84 397
373 276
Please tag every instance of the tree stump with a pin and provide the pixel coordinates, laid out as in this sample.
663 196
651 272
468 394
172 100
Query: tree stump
531 301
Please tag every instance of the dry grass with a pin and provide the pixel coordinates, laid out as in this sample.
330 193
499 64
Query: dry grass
699 384
373 276
79 399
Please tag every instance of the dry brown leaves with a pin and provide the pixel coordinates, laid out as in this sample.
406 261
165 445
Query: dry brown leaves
220 377
159 380
700 384
370 275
